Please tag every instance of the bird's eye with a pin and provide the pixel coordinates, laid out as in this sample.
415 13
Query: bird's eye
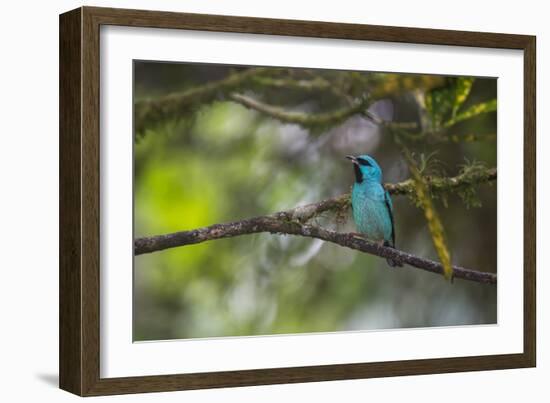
362 161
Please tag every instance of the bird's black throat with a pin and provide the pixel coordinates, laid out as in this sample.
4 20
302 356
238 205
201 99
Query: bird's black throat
358 173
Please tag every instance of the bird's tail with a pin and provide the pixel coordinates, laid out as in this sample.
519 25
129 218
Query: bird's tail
392 262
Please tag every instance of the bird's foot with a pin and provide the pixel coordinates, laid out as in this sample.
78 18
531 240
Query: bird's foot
392 262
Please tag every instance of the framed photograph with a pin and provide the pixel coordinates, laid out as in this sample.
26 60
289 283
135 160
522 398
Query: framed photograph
249 201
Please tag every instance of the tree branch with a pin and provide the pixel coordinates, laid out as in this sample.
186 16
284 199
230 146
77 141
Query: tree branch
294 222
301 118
394 84
279 224
149 112
315 84
470 176
435 184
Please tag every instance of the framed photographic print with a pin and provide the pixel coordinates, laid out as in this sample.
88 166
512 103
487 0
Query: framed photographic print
249 201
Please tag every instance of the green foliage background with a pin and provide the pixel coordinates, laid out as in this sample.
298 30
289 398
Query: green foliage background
217 161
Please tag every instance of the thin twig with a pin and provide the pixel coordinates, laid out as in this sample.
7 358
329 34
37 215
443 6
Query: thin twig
301 118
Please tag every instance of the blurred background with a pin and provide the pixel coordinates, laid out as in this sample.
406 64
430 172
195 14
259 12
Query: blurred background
204 155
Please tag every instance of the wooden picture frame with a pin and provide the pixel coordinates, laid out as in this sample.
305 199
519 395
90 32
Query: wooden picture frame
79 201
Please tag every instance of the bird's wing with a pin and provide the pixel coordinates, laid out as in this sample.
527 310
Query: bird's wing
389 206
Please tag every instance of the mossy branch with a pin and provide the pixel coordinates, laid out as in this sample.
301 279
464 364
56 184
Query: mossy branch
435 184
149 112
475 110
432 217
153 111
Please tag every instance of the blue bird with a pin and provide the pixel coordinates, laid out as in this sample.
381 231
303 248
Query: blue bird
371 203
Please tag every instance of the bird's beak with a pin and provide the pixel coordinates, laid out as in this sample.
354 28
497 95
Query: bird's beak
352 158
